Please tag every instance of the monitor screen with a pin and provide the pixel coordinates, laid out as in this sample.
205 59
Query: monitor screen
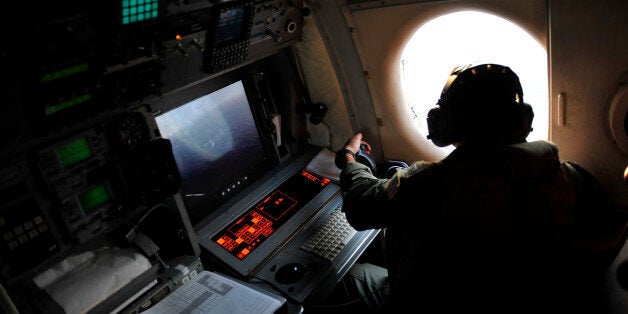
216 144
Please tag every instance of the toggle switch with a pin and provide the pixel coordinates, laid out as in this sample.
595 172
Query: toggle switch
182 49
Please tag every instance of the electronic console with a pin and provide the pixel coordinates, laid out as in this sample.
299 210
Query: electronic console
82 157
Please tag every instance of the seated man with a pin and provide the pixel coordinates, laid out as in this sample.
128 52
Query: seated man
500 225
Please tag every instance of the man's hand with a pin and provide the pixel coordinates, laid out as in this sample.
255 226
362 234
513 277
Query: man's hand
350 149
354 143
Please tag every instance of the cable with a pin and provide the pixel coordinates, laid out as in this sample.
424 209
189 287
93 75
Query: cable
316 111
139 222
142 241
6 304
161 261
293 62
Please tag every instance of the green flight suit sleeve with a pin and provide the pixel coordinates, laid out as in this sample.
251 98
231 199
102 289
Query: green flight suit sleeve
365 198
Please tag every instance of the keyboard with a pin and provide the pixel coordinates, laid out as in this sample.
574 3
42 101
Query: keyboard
331 237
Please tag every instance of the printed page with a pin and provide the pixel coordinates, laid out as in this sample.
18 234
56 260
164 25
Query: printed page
324 165
210 292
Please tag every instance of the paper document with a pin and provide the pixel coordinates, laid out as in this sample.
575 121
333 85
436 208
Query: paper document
210 292
324 165
79 282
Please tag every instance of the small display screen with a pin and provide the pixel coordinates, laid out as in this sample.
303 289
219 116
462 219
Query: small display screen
251 229
69 71
230 25
94 197
67 104
73 152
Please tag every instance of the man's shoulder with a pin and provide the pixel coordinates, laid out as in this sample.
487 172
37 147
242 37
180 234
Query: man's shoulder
420 169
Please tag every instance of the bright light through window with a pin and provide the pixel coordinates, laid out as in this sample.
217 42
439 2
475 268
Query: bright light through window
470 37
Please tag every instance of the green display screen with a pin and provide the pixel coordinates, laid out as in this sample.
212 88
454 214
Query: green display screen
73 152
134 11
82 67
93 198
68 103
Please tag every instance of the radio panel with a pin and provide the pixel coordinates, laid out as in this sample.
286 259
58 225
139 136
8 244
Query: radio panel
27 237
64 165
81 188
67 168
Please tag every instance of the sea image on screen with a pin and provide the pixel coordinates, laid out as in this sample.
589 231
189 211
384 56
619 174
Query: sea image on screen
214 139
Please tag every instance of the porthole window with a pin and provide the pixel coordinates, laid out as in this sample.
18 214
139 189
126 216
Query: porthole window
469 37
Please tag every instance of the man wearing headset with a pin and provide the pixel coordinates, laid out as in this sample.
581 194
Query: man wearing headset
500 225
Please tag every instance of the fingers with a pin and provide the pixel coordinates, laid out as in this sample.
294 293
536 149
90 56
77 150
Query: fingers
356 141
358 137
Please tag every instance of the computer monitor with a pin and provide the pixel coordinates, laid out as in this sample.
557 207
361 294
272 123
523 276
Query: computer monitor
217 141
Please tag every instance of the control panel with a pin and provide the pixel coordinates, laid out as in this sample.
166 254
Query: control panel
80 161
237 27
27 236
80 188
84 61
223 36
228 38
65 167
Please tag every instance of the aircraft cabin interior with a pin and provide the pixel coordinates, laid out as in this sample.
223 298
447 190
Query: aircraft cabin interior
148 145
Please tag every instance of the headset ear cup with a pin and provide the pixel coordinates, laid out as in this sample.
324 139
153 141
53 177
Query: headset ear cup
439 127
522 119
527 116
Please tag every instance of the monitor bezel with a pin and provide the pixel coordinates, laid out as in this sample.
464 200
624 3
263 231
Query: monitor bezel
198 209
